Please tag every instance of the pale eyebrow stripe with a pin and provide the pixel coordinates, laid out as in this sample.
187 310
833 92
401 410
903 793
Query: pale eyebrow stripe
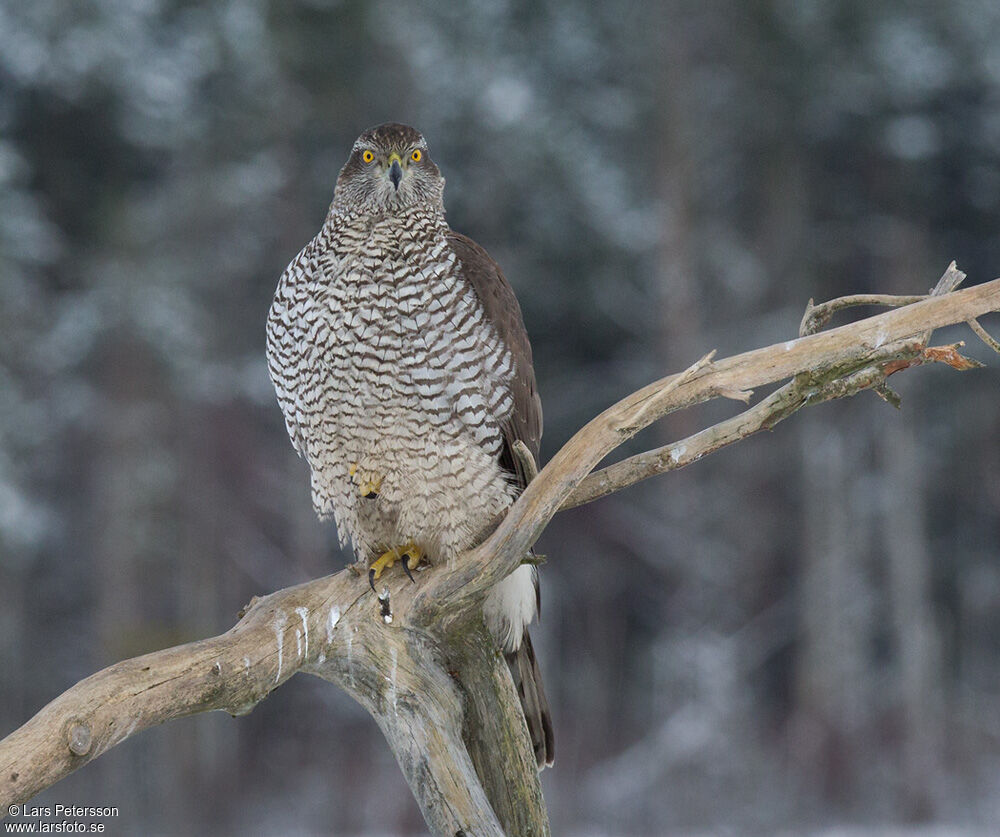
359 145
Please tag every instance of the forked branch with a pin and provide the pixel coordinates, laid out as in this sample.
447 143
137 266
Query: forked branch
429 675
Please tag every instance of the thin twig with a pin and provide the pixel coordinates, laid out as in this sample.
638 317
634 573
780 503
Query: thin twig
648 404
984 335
817 316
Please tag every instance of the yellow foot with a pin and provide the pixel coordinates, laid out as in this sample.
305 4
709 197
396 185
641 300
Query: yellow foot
367 487
410 555
370 488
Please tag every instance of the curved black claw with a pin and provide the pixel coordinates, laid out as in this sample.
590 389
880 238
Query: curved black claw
371 495
371 580
406 569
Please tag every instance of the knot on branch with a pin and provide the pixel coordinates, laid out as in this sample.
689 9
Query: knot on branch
79 738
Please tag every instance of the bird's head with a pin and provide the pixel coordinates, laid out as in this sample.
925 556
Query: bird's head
389 169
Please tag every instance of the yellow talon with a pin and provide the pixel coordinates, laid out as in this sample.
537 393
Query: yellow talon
369 488
410 555
384 562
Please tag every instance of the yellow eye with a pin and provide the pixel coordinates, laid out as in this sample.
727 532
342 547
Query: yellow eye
416 155
367 156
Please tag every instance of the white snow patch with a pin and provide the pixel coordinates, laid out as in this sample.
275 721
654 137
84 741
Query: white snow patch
880 338
788 345
298 642
677 453
392 678
246 666
303 613
331 623
279 634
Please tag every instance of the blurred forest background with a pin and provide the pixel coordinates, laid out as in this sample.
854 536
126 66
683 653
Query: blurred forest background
800 633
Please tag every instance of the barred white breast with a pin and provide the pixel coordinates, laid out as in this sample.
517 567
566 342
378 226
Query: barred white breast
404 373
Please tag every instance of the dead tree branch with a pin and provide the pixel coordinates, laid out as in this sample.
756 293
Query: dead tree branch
984 335
417 657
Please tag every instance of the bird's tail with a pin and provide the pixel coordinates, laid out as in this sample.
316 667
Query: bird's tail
528 681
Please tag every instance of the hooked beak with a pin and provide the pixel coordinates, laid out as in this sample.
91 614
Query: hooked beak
395 171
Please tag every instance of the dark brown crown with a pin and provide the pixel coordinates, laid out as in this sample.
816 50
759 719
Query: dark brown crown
392 135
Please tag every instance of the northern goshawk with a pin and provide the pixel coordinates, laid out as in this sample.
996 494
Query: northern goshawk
404 372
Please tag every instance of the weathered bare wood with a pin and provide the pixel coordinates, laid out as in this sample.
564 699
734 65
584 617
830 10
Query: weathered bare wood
785 401
419 660
495 731
417 703
330 627
231 672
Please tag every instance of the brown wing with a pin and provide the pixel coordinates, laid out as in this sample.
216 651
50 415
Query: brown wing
525 423
497 297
